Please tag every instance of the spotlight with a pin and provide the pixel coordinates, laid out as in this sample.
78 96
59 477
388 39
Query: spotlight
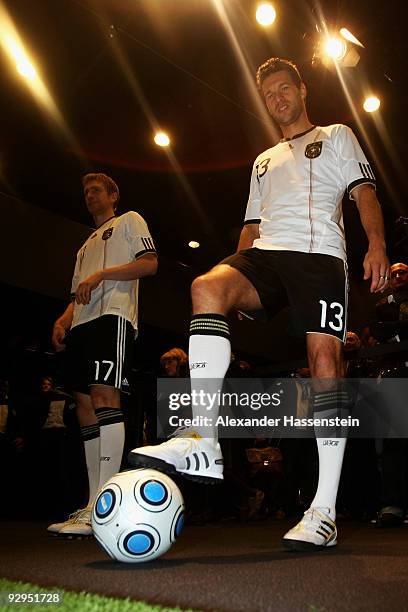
193 244
345 33
162 139
265 14
371 104
335 48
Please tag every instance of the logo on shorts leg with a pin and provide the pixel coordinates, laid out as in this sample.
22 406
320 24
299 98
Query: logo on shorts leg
107 233
313 149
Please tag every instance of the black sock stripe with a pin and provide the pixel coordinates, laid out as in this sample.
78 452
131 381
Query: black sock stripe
323 400
90 432
188 463
108 416
210 332
209 325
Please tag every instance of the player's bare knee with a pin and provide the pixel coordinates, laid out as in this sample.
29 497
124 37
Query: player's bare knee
206 291
103 396
324 364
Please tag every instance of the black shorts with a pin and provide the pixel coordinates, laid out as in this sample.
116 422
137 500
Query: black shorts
315 286
99 352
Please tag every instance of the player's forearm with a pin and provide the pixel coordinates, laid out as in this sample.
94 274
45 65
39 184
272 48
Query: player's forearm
249 233
144 266
65 320
371 217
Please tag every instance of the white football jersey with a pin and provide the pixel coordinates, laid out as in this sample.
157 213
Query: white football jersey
118 241
297 188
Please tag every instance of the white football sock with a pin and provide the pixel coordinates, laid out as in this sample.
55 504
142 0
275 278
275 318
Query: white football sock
331 452
112 430
91 439
209 358
330 404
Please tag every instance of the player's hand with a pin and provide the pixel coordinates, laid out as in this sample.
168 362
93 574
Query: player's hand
377 267
58 335
84 289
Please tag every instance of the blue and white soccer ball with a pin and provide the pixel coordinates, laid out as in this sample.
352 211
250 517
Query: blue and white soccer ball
138 515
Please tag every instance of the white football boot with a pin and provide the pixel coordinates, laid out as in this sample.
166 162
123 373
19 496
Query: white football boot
187 453
78 525
56 527
315 531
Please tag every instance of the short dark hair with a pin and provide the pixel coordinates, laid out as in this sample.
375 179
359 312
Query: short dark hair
107 182
276 64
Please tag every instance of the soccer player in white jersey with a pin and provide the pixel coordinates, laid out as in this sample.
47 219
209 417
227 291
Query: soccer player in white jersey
291 251
98 328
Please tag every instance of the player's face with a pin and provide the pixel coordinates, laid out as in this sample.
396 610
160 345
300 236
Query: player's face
284 101
98 200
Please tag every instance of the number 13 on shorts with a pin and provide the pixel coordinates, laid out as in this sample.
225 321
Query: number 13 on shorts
331 315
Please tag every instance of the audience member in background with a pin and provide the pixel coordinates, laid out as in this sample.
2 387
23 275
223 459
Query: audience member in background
175 363
7 450
359 484
367 338
350 349
392 313
300 457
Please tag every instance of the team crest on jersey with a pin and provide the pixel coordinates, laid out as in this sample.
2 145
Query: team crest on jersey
107 233
313 149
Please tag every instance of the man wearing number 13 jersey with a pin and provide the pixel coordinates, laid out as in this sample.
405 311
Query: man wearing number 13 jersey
291 252
98 328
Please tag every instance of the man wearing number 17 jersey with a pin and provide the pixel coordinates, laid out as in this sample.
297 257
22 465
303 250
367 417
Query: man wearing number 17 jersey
291 252
98 328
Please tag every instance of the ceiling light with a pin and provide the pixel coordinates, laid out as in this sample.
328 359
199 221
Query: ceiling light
265 14
371 104
335 48
162 139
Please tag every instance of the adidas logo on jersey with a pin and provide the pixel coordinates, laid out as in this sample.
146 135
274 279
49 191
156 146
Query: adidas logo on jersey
125 382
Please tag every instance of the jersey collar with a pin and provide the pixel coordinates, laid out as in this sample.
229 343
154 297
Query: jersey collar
102 224
299 135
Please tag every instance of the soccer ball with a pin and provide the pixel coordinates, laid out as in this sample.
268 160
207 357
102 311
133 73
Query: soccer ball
138 515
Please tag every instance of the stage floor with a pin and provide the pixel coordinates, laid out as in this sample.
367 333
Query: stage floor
226 566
